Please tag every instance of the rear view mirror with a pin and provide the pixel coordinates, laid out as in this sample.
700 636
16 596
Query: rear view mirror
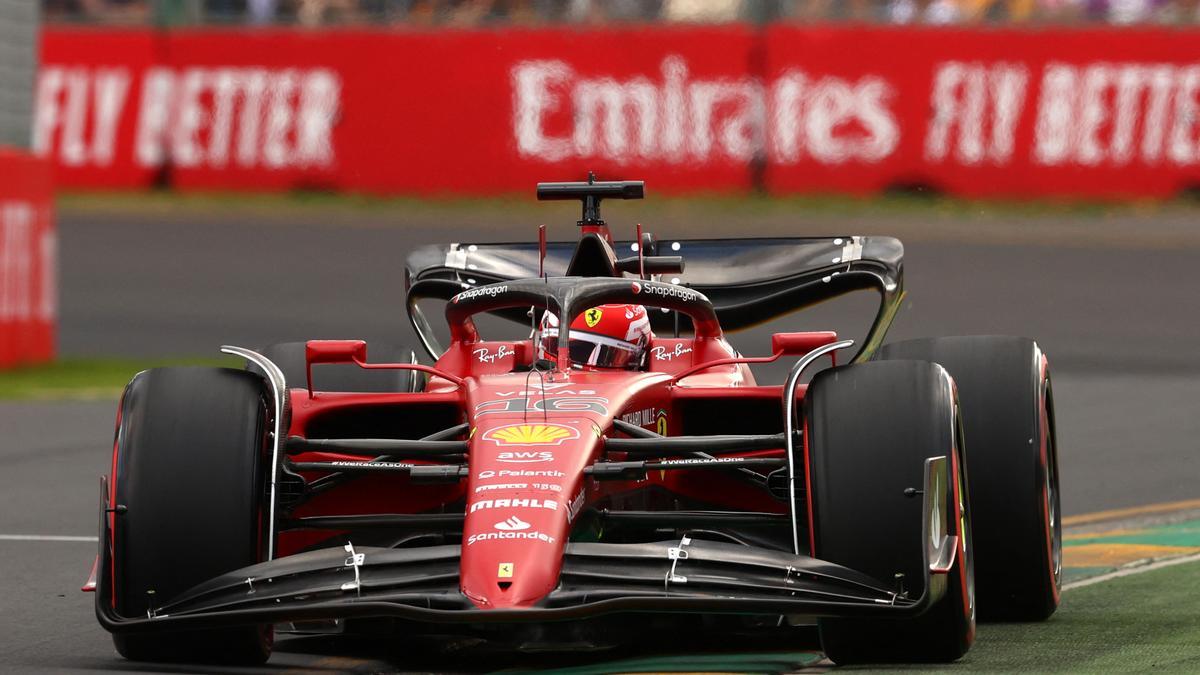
799 344
335 351
332 351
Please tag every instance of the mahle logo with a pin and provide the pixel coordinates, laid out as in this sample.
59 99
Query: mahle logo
549 504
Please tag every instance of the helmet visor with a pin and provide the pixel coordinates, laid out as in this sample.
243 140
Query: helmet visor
600 351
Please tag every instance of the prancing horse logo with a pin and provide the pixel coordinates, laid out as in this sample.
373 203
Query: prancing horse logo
592 316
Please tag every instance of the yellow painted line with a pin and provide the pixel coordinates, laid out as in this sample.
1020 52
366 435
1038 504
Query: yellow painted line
1131 512
1119 532
1115 555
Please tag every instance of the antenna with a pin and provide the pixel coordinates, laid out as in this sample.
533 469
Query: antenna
542 250
591 204
641 253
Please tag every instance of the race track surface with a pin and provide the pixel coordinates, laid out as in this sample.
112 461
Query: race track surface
1111 299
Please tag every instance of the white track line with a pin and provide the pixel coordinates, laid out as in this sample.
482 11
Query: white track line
1133 568
45 537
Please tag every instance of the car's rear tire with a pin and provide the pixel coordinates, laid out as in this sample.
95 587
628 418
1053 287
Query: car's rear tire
289 357
868 430
190 470
1008 416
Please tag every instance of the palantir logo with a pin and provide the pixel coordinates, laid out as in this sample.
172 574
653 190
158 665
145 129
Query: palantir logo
512 524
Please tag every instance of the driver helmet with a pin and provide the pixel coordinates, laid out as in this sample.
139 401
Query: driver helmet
606 336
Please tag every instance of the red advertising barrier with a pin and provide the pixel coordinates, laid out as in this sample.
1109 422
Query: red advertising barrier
985 113
1103 113
28 260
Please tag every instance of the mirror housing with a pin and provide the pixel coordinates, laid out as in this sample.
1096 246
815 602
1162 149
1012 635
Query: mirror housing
799 344
335 351
332 351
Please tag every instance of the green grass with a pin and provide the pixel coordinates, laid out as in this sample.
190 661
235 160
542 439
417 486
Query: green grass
87 378
1134 624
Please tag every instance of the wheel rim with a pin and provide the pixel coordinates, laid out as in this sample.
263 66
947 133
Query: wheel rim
1054 520
964 522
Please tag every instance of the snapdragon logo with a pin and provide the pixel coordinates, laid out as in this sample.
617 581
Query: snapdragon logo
489 291
666 291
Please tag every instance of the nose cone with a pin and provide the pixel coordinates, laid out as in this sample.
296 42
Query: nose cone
510 561
524 477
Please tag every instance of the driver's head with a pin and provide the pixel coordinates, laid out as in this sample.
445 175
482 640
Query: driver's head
608 336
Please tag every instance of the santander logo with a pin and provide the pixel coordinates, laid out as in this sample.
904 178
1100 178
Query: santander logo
511 528
513 523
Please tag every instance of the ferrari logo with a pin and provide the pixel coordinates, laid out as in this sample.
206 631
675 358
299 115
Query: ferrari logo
530 434
505 571
592 316
661 424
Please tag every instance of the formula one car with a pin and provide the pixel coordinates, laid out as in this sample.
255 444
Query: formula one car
618 471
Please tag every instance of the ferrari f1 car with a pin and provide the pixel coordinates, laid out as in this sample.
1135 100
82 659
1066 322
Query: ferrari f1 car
524 489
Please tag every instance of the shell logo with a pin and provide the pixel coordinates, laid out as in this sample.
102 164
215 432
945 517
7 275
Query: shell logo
531 434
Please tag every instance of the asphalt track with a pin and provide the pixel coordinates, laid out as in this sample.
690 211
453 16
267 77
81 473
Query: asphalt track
1111 298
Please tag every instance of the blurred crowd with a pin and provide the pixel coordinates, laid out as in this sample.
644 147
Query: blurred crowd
533 12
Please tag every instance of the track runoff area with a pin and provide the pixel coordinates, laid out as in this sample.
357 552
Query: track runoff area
1128 605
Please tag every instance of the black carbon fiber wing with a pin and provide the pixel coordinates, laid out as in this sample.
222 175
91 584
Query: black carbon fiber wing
750 281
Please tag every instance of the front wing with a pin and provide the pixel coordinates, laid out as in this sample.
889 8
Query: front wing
688 575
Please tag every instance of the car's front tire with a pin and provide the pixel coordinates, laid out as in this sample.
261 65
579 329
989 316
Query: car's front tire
1008 416
190 472
868 430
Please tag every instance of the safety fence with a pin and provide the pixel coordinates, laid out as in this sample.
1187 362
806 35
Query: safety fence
1078 112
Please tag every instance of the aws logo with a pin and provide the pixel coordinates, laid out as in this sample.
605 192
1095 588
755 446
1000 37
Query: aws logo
530 457
530 434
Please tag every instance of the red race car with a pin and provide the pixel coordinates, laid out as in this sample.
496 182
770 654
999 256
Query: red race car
617 471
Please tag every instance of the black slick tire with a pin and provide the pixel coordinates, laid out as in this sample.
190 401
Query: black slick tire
190 472
1008 416
289 357
868 430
